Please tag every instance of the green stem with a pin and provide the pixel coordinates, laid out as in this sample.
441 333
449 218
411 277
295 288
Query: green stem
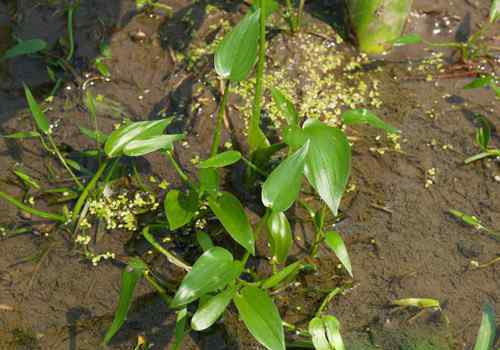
291 17
39 213
86 191
220 121
318 237
485 154
300 14
63 161
327 299
159 289
254 167
295 329
179 170
171 257
71 38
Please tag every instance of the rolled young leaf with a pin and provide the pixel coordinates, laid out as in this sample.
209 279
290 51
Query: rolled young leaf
213 270
231 214
130 276
261 317
378 23
325 333
280 234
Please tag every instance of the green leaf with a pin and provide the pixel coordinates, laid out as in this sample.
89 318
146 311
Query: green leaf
138 148
486 335
180 328
421 303
282 186
97 136
209 180
334 242
409 39
40 119
213 270
494 11
130 276
261 317
210 311
22 135
483 134
480 82
282 275
204 240
286 107
26 47
294 136
221 160
237 53
280 234
28 180
325 333
270 6
363 116
180 208
328 162
231 214
144 130
102 67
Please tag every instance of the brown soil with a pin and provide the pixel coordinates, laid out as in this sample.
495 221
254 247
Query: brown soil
400 238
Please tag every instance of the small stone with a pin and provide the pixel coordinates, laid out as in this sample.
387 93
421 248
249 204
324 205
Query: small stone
469 249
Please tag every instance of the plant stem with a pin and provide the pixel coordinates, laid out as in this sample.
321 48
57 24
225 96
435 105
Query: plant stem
318 237
291 17
70 34
179 170
255 134
219 121
300 14
171 257
86 191
159 289
327 299
296 329
39 213
63 161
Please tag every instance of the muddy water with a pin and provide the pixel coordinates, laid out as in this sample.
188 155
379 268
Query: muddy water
401 241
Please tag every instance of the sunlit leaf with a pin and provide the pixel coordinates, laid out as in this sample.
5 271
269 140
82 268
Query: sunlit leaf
213 270
211 310
487 330
286 107
221 160
364 116
325 333
237 53
231 214
136 148
282 275
26 47
280 234
282 186
261 317
40 119
335 242
180 208
130 276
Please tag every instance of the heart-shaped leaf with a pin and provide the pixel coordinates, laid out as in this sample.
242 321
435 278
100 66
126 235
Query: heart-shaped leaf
213 270
180 208
335 242
282 186
221 160
237 53
231 214
280 234
261 317
328 162
364 116
211 310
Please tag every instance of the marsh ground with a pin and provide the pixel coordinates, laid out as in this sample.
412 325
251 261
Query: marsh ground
401 240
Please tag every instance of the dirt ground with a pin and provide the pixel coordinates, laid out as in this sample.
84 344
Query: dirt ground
401 239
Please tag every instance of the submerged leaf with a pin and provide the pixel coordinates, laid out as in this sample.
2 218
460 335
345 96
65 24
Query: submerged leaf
40 119
26 47
364 116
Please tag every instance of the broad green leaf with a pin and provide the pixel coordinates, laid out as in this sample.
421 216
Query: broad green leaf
494 11
40 119
486 335
144 130
480 82
280 234
335 242
180 328
364 116
237 53
328 162
221 160
231 214
26 47
282 187
210 311
294 136
325 333
213 270
286 107
22 135
130 276
282 275
204 240
97 136
138 148
483 133
261 317
209 180
180 208
409 39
